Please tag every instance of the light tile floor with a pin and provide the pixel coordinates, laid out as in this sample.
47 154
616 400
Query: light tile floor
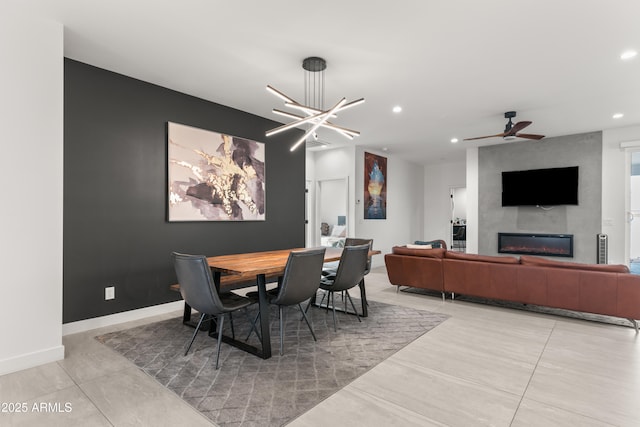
483 366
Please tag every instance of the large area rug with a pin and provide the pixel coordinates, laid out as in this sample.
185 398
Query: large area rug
247 390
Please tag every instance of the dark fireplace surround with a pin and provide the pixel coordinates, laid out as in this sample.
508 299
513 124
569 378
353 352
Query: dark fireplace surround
560 245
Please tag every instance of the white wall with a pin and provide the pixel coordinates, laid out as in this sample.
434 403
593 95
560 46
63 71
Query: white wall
616 164
405 190
31 114
405 205
330 164
438 181
472 200
634 232
333 200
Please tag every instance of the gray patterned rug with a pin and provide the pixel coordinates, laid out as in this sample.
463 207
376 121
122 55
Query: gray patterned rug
249 391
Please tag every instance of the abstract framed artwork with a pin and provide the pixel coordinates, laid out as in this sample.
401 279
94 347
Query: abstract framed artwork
375 186
214 177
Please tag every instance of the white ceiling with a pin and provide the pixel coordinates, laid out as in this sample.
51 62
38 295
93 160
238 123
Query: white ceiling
454 66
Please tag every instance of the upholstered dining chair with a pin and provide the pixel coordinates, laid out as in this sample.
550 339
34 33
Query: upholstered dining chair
331 268
299 282
350 272
199 291
354 241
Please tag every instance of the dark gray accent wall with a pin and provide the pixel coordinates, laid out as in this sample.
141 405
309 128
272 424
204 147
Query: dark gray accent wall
583 221
115 191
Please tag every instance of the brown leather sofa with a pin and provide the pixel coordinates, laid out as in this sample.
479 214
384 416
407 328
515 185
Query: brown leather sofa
593 288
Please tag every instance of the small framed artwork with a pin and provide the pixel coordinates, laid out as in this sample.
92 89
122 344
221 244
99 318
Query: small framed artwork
214 176
375 186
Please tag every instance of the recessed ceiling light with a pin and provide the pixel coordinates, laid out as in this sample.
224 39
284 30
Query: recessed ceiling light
628 54
618 115
454 140
397 109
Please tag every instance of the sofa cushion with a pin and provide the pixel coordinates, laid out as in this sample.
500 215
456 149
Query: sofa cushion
537 261
481 258
433 243
429 253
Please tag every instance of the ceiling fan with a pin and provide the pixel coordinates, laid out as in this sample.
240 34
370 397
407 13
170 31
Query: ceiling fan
511 131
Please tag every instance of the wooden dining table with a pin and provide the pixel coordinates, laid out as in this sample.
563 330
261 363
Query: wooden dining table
263 264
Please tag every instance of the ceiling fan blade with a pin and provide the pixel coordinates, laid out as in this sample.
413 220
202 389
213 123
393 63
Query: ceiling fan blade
483 137
529 136
517 127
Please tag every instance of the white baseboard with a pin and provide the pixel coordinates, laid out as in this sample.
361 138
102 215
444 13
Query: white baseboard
31 360
114 319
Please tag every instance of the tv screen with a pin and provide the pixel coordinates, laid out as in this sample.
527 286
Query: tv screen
540 187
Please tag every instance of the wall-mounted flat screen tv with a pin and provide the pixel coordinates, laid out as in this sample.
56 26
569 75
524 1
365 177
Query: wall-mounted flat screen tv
540 187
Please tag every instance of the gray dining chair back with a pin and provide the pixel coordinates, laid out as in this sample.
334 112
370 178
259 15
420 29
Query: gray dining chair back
351 269
196 283
349 274
355 241
301 277
199 291
300 281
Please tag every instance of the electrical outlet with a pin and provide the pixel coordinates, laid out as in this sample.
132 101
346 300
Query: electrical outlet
109 292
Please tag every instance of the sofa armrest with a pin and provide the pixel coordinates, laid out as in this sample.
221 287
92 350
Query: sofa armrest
416 271
427 252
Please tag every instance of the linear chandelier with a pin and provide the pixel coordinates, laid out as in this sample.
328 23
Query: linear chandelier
315 115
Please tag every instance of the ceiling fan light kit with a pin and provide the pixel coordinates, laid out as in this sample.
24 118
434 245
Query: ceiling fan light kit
511 130
315 115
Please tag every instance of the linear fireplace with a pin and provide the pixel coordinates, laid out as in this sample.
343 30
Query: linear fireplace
536 244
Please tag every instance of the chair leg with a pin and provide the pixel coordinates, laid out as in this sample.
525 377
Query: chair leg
202 316
332 296
281 312
307 307
221 321
324 294
309 303
353 306
233 332
329 295
308 324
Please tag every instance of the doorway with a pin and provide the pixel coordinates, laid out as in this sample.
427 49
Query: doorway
331 212
458 231
634 213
